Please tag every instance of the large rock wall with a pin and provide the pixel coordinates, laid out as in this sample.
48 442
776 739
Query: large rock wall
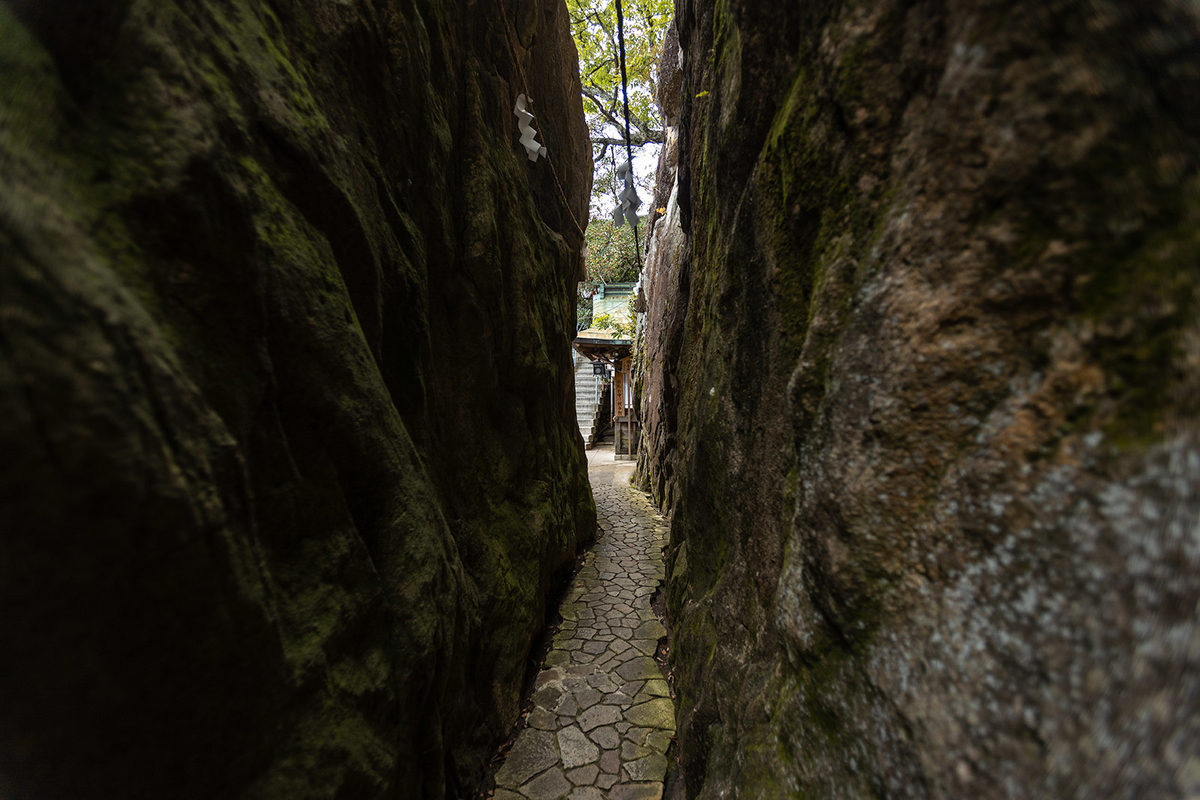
922 399
658 330
289 459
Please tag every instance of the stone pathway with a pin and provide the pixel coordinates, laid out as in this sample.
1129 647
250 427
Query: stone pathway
603 718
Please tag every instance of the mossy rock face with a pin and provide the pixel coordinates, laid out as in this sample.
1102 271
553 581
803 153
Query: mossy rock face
922 406
285 391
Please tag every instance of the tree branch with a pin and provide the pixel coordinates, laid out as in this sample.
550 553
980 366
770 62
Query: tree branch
636 139
600 22
639 128
593 93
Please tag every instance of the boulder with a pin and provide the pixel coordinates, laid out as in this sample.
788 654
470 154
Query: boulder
290 458
921 399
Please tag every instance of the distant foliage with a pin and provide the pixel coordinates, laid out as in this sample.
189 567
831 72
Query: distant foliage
610 254
620 329
610 259
583 313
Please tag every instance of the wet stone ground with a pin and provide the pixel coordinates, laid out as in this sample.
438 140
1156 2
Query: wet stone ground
602 718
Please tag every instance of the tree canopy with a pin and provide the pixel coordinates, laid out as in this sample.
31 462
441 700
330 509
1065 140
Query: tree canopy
594 26
610 254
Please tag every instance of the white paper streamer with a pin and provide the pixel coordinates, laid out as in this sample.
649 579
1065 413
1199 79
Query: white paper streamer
627 209
527 132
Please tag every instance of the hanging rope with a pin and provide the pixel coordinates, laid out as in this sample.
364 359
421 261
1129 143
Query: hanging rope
612 158
629 194
512 45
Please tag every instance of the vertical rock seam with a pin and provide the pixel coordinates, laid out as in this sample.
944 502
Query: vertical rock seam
921 398
285 391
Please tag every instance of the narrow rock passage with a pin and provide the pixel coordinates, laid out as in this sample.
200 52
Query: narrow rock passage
603 718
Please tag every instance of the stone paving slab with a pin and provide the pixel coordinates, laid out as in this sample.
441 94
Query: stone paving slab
602 719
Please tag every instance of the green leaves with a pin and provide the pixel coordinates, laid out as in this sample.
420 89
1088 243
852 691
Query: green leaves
594 26
621 326
620 330
610 259
610 253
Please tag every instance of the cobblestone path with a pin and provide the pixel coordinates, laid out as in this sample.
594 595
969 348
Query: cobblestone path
602 717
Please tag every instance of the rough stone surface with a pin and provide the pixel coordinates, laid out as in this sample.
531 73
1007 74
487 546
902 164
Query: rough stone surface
584 776
285 386
921 399
575 748
657 713
639 668
660 740
657 689
587 793
550 785
606 737
636 791
650 768
601 728
533 752
542 719
632 752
